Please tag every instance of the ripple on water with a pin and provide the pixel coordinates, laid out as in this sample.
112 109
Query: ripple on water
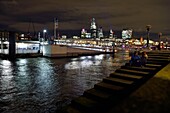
39 85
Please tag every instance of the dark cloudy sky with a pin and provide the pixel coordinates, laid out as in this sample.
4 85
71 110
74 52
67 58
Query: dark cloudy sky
76 14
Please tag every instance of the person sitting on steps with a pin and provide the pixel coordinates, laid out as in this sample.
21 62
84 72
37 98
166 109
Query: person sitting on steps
144 58
135 59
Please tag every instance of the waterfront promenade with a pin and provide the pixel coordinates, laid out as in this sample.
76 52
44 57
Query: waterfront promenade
33 86
152 97
130 89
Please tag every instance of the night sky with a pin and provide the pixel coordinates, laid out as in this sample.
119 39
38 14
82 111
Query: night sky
76 14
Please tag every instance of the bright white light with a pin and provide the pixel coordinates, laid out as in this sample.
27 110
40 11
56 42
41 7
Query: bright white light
99 57
22 45
74 59
6 42
22 35
6 69
22 61
89 56
6 62
44 30
127 33
83 57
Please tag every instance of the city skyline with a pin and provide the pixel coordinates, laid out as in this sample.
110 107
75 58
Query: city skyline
76 14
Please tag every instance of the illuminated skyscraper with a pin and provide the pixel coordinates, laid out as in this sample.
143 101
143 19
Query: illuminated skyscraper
83 33
111 33
100 33
127 33
93 28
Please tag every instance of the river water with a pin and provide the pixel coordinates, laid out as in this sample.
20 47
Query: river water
44 85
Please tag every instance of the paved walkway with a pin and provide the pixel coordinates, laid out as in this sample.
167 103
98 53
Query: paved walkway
152 97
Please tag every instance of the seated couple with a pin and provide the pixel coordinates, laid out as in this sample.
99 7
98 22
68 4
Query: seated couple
137 60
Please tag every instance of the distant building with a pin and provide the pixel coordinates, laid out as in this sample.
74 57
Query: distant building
111 33
83 33
93 29
126 34
100 33
64 37
4 37
88 35
12 42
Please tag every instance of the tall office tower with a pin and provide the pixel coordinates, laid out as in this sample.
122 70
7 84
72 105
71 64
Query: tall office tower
100 33
56 31
83 33
111 33
127 34
93 28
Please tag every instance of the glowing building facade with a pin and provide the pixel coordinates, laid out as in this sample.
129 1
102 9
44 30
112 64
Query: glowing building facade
83 33
93 29
126 33
111 33
100 33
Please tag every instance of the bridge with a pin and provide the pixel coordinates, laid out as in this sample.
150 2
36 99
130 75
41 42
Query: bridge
72 51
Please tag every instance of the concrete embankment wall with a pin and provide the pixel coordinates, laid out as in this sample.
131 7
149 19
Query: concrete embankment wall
65 51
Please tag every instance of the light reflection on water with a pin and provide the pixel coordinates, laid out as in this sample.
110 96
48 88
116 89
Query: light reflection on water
38 85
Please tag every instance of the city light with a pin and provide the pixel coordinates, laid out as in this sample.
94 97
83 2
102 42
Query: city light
127 33
148 27
44 35
44 31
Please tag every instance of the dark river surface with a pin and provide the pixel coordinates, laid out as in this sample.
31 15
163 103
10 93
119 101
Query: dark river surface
44 85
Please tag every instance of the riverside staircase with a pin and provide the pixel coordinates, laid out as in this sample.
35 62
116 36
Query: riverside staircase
119 85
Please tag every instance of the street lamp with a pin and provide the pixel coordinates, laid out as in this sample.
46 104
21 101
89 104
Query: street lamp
148 27
166 43
44 34
159 35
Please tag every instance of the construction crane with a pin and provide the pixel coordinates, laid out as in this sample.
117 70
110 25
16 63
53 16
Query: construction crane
34 36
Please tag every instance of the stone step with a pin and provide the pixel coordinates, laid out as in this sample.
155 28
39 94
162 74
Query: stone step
151 65
154 66
159 57
133 72
84 104
159 53
71 109
125 76
138 68
109 87
163 54
118 81
158 60
98 95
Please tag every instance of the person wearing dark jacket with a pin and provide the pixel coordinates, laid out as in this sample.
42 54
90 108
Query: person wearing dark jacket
144 58
135 59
